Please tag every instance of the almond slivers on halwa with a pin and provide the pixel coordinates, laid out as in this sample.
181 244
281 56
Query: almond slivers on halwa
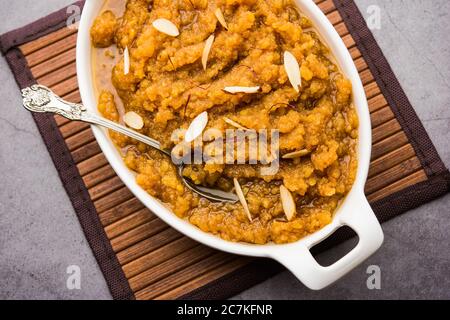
167 27
213 70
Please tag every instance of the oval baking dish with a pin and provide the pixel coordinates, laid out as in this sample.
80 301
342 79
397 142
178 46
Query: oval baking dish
354 212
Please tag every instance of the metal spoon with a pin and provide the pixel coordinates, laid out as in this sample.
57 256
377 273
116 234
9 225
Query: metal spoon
38 98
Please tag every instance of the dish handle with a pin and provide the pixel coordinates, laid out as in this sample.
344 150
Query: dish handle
299 260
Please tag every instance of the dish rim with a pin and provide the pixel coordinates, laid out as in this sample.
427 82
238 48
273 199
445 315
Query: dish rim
355 197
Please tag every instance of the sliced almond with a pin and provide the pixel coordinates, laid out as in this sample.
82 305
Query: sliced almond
208 45
133 120
241 197
167 27
234 90
234 123
126 61
293 70
296 154
197 127
288 203
221 18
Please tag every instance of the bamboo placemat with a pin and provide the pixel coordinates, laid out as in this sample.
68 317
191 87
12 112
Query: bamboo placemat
143 258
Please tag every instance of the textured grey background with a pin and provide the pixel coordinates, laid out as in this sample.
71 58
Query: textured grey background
40 235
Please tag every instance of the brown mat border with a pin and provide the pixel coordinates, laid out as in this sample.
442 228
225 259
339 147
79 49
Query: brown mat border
390 87
437 185
61 156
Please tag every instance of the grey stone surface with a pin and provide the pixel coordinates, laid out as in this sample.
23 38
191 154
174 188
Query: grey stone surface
40 235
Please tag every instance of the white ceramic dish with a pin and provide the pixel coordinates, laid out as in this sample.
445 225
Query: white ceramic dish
355 211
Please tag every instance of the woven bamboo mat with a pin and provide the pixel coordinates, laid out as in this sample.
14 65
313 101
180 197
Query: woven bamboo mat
140 255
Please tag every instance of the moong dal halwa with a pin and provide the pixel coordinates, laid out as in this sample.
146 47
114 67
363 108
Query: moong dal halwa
250 64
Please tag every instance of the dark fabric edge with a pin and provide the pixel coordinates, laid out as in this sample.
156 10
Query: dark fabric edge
68 171
237 281
241 279
391 87
35 30
415 196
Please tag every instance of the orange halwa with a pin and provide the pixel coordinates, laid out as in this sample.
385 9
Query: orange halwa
168 87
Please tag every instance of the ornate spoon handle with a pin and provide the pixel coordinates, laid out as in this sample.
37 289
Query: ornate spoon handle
41 99
38 98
